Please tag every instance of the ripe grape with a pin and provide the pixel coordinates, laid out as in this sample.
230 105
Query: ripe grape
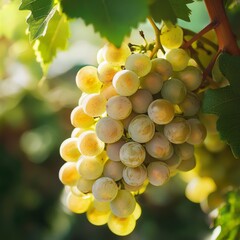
68 174
139 63
184 150
173 162
113 150
113 169
69 150
108 91
162 67
187 165
106 71
178 58
152 82
84 185
127 120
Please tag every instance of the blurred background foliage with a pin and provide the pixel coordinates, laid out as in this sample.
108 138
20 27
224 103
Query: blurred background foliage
34 120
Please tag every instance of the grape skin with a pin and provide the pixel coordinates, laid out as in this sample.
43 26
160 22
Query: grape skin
69 150
162 67
113 169
68 174
106 71
152 82
113 150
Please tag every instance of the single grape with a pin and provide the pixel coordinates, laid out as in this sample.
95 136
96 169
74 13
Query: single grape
123 204
108 90
162 67
84 185
119 107
89 144
131 188
187 165
152 82
171 37
173 162
106 71
161 111
104 189
178 58
184 150
87 80
158 173
113 150
137 211
140 100
109 130
174 90
68 174
69 150
100 58
177 131
132 154
141 128
139 63
113 169
159 147
126 82
127 120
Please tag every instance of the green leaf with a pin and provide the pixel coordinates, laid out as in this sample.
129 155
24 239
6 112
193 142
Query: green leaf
170 10
41 12
55 38
111 18
225 103
229 217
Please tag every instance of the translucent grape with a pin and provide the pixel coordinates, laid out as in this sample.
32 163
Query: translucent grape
177 131
126 82
171 37
159 147
119 107
94 105
187 165
152 82
87 80
135 176
137 211
113 170
174 90
108 91
69 150
158 173
139 63
106 71
104 189
109 130
161 111
90 167
140 100
141 129
178 58
198 132
113 150
89 144
123 204
84 185
68 174
100 58
132 154
80 119
162 67
184 151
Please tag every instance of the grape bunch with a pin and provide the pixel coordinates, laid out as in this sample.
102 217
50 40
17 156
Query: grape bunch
136 124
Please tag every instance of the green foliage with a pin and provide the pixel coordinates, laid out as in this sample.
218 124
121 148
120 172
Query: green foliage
229 217
41 12
224 102
55 38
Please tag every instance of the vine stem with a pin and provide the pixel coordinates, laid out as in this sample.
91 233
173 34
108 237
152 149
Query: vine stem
226 39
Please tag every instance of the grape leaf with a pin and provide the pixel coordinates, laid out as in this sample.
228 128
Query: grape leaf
225 102
112 19
41 12
55 38
229 217
170 10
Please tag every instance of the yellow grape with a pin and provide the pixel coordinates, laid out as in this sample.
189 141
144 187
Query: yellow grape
108 91
106 71
187 165
127 120
87 80
113 150
152 82
68 174
184 150
137 211
84 185
173 162
162 67
100 58
178 58
113 169
69 150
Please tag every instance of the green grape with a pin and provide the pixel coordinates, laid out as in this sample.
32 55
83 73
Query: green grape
90 167
69 150
177 131
178 58
187 165
121 226
191 76
126 82
159 147
173 162
132 154
84 185
141 128
119 107
139 63
152 82
94 105
109 130
114 55
198 132
161 111
106 71
174 90
87 80
171 37
113 169
89 144
123 204
113 150
104 189
68 174
184 150
190 105
162 67
140 100
158 173
135 176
